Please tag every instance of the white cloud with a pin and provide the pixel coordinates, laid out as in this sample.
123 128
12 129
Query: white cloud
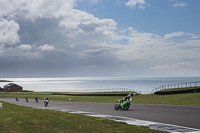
179 34
140 3
90 1
25 47
80 22
46 8
9 32
71 24
46 47
160 53
8 7
75 21
179 4
175 34
32 9
80 38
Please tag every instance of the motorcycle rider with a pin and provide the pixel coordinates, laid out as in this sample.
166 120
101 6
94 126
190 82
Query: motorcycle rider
26 99
46 101
124 103
36 99
125 98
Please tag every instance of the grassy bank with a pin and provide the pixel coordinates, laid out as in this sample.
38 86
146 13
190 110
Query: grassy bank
178 91
100 99
17 119
176 99
23 119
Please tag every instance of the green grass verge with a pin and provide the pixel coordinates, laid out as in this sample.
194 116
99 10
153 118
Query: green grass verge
18 119
99 99
176 99
94 92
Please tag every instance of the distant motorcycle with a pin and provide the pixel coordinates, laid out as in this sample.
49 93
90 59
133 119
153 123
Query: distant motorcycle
46 101
36 100
26 99
123 104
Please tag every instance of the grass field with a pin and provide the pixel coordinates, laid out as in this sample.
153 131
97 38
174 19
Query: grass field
18 119
176 99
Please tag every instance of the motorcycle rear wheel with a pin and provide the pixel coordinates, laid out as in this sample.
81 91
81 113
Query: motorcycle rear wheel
116 106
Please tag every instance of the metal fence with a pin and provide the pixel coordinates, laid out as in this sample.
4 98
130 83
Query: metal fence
16 93
85 91
103 90
112 90
178 85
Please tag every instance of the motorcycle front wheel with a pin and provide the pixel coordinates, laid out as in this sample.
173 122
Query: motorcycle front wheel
126 106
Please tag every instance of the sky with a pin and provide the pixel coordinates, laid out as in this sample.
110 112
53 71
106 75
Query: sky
99 38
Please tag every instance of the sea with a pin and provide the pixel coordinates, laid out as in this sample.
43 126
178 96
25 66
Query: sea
96 84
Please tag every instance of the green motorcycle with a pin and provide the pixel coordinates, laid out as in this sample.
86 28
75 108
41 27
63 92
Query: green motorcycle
123 104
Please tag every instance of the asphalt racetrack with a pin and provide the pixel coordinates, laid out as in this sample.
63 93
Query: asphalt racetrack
187 116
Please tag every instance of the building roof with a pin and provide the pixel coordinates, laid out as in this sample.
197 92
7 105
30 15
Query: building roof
2 89
10 84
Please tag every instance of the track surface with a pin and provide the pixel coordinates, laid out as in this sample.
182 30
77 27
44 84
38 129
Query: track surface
188 116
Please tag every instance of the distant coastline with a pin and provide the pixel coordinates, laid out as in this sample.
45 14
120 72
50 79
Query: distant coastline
5 81
142 85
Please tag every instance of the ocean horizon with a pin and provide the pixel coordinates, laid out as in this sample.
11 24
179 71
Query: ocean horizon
85 84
